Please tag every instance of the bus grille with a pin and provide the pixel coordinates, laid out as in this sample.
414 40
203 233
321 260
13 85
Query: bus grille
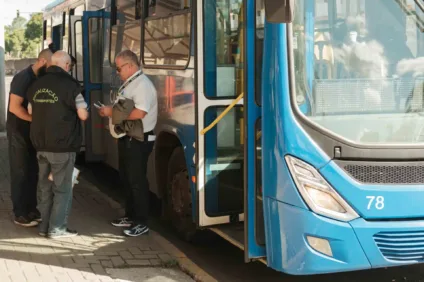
407 246
387 173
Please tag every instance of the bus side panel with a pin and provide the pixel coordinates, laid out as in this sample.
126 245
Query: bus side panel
288 250
175 91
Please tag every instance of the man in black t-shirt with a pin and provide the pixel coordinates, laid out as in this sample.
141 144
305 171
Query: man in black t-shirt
22 155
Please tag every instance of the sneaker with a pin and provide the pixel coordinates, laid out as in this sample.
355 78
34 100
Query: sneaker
136 230
25 221
35 216
122 222
63 234
42 234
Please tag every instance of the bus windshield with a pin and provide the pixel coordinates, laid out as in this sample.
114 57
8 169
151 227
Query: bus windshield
359 68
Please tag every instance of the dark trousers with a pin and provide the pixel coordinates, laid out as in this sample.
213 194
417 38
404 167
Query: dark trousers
23 172
133 158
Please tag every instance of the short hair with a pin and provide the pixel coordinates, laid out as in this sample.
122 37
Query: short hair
52 47
45 54
128 55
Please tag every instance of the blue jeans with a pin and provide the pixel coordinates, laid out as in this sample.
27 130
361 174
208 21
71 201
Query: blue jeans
55 196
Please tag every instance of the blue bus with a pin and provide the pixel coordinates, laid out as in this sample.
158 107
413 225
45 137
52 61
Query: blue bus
293 129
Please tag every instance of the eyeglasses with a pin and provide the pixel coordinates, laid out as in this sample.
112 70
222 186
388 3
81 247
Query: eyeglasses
119 69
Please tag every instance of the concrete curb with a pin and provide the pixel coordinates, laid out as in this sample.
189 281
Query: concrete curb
184 263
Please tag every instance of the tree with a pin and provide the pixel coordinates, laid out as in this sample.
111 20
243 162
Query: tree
18 23
14 42
34 28
22 39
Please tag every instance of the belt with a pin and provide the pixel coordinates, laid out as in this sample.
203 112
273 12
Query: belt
148 136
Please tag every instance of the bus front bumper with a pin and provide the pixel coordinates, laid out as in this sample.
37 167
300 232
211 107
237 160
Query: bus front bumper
354 245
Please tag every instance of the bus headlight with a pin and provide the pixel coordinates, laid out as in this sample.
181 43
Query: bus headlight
317 193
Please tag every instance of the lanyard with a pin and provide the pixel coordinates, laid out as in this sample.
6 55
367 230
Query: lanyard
121 89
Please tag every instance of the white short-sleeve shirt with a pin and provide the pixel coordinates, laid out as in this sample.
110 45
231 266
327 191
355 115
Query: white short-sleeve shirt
142 91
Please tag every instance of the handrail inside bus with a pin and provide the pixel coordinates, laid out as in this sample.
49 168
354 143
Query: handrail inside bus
222 115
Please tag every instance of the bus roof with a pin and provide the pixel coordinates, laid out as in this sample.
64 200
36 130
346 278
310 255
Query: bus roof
54 4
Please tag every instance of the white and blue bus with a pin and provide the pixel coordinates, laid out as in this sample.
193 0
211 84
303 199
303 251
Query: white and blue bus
293 129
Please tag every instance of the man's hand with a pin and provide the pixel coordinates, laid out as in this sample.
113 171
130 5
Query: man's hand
105 111
82 114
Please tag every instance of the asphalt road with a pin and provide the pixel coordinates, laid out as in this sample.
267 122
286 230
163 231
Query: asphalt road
225 262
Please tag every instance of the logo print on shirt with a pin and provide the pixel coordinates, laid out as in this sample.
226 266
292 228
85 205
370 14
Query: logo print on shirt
46 96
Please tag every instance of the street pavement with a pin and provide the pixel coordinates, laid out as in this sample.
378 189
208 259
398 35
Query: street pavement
99 253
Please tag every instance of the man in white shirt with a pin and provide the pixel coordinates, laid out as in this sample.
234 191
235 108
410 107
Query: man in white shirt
134 154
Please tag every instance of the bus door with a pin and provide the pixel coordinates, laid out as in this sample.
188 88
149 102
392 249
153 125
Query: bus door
226 144
87 48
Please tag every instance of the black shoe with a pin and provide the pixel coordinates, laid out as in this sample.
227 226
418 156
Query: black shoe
25 221
122 222
62 234
35 216
136 230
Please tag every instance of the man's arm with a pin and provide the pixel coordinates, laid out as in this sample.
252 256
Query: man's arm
81 106
106 111
136 114
16 108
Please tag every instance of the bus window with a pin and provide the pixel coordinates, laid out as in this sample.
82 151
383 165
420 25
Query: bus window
163 8
78 68
57 37
125 37
128 9
48 39
65 46
225 49
259 45
44 30
166 34
95 26
106 35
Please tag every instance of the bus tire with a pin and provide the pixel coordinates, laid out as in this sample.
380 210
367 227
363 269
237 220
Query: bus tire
178 196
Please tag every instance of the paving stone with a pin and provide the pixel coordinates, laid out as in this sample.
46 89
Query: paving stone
26 256
143 262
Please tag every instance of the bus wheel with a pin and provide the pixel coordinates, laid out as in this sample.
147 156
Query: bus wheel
179 205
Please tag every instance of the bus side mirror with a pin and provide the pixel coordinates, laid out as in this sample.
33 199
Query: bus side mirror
279 11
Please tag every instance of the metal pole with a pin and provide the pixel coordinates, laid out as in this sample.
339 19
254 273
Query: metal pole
3 106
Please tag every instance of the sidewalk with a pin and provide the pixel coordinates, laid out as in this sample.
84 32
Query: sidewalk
100 253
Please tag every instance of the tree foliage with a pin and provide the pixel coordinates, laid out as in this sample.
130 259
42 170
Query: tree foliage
22 38
18 23
34 28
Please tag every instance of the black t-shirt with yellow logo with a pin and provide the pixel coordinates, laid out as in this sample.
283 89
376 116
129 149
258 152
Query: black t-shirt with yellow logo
55 124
